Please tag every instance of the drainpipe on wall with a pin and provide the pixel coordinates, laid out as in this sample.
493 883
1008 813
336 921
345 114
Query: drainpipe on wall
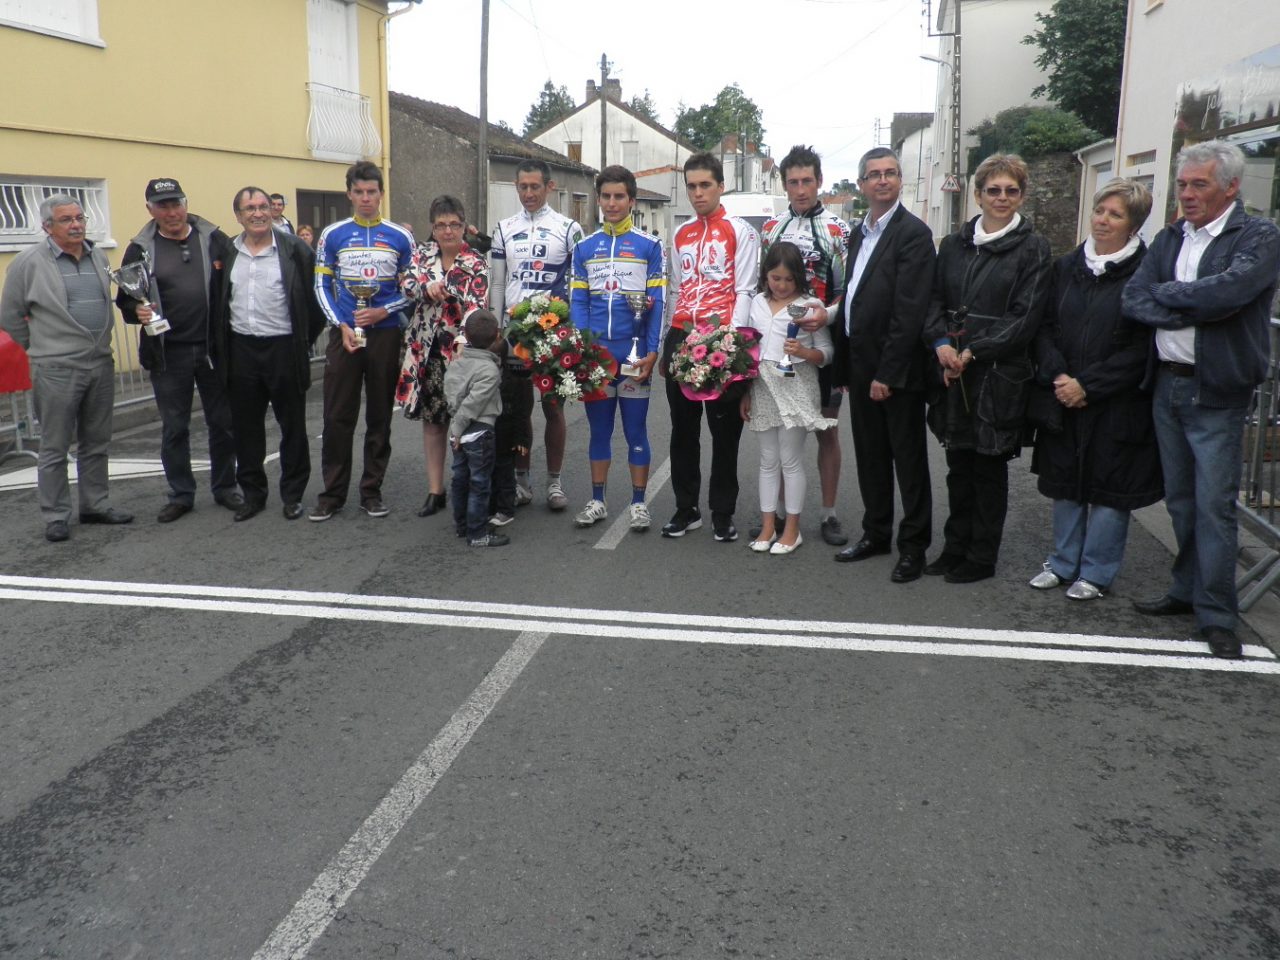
384 101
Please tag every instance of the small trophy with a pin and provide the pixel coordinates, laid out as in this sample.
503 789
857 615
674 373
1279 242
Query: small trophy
638 302
135 280
362 288
795 311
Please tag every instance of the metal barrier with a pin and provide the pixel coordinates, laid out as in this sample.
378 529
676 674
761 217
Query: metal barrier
1259 506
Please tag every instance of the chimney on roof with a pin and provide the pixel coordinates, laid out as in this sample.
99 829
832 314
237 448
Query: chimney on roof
613 89
591 90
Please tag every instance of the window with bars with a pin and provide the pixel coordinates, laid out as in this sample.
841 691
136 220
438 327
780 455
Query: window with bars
20 199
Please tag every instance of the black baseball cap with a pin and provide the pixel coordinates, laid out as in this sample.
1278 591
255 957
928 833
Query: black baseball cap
165 188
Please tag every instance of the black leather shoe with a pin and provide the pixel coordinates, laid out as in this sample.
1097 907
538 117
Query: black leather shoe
945 563
56 531
861 550
292 511
232 501
248 509
171 512
908 568
433 505
1223 642
970 572
110 515
1165 606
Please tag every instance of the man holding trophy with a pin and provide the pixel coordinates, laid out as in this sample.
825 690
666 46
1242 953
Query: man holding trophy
172 267
616 293
358 264
56 304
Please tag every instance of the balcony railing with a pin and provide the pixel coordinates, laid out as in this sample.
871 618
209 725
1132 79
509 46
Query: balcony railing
341 125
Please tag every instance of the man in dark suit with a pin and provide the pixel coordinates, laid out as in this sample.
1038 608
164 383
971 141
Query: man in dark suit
266 320
879 357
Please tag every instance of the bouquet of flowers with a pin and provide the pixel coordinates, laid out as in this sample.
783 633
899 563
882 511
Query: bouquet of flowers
566 363
714 356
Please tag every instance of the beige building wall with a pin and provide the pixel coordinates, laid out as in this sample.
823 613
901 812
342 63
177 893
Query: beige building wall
213 94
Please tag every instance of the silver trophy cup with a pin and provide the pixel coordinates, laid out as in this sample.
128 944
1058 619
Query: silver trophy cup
639 303
135 280
362 289
795 311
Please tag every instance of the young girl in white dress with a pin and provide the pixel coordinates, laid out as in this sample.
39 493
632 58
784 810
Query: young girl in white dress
782 409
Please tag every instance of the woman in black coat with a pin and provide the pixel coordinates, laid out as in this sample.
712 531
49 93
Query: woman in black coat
1103 462
990 286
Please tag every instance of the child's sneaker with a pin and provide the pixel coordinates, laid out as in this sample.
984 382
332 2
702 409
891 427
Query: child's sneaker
593 512
556 499
639 521
524 496
490 539
500 519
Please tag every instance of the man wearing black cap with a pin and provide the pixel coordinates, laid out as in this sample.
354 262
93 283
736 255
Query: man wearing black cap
185 254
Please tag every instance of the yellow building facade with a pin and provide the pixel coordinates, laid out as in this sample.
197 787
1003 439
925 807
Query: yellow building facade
103 95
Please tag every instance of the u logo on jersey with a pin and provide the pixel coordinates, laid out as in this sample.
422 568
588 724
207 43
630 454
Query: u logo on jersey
369 272
611 285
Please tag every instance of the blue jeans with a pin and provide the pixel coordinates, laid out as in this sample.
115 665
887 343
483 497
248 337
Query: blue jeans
1201 453
1088 541
472 477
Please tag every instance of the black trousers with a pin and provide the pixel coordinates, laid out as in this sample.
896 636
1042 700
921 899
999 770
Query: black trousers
978 491
372 371
262 373
686 443
889 437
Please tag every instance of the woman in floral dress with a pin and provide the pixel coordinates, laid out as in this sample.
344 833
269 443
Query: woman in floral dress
447 280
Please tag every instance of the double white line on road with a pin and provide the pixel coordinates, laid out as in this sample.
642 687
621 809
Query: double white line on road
934 640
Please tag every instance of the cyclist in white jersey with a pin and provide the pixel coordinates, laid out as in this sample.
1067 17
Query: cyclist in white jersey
532 253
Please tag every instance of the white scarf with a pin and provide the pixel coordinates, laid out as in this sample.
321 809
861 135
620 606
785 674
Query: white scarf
980 236
1097 262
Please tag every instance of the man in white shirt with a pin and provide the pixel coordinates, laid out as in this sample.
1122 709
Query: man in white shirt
267 319
1206 286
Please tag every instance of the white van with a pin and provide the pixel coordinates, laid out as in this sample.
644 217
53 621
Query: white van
755 208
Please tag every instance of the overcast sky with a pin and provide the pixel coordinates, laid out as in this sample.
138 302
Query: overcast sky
821 71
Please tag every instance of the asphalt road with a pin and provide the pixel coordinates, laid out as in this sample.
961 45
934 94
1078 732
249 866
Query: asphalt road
364 739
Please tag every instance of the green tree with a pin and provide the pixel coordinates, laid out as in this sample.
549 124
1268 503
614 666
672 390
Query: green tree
1082 50
553 103
732 111
644 106
1030 132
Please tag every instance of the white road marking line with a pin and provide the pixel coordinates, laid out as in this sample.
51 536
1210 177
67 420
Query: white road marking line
753 624
118 468
619 529
294 936
625 631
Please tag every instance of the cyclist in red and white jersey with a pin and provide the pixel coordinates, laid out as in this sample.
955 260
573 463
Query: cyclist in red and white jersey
716 266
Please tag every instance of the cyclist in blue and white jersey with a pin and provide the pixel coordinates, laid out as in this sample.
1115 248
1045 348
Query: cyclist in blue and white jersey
615 261
361 251
530 254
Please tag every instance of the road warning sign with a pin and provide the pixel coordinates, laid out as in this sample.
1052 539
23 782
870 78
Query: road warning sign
951 184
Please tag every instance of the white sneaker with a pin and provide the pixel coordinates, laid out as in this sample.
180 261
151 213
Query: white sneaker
500 519
524 496
556 499
594 511
1046 579
1084 590
639 517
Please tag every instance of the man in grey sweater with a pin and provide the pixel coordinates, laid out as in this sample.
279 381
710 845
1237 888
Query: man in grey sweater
56 304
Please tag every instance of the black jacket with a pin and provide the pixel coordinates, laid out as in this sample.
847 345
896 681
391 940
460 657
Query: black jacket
1106 453
889 308
1229 303
989 299
297 271
213 245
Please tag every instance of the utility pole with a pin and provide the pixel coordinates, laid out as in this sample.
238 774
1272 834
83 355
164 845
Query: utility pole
482 146
604 109
958 200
